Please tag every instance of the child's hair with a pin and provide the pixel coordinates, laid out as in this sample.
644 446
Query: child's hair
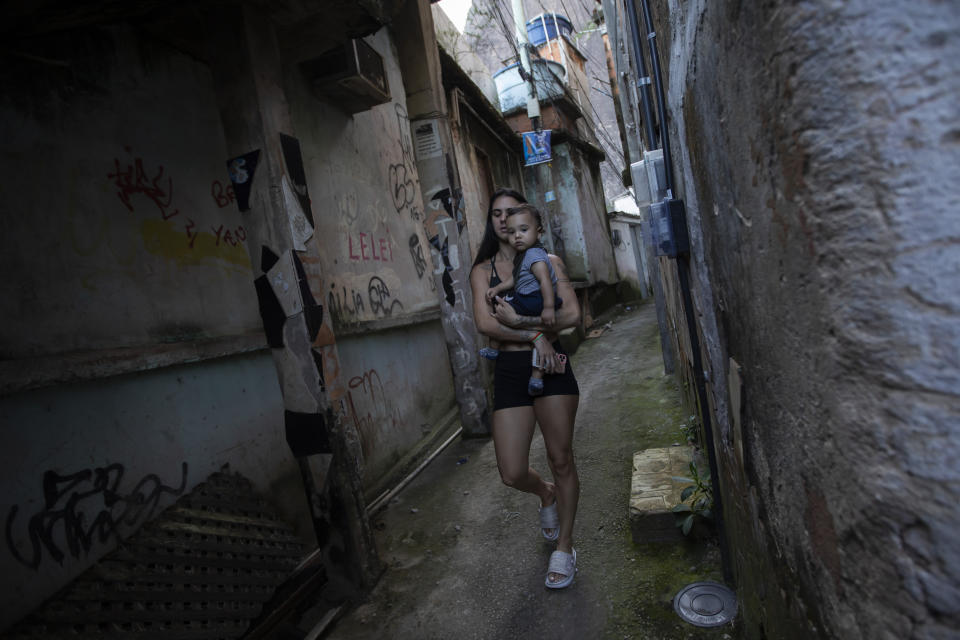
532 210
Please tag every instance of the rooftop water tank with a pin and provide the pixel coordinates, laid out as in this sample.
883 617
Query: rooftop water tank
544 27
512 90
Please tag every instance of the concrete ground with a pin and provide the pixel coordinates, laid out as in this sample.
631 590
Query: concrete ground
464 552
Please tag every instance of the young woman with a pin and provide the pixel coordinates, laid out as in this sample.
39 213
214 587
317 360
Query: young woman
515 411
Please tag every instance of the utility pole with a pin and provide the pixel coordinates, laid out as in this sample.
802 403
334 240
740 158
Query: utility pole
526 71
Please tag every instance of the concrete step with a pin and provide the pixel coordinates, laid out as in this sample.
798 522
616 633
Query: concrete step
654 492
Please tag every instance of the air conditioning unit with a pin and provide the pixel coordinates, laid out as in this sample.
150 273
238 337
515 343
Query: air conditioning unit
350 76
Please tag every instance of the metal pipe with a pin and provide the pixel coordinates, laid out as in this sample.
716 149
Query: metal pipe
384 498
661 100
643 80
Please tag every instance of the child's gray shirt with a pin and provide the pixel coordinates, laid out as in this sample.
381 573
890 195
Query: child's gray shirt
527 283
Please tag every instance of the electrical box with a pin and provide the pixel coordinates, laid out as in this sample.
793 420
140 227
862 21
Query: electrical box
668 227
351 76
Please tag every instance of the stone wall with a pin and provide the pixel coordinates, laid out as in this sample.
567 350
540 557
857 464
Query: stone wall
816 145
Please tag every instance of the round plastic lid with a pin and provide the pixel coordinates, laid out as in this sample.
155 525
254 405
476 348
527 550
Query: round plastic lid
705 604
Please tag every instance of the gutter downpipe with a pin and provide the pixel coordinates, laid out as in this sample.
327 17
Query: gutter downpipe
683 272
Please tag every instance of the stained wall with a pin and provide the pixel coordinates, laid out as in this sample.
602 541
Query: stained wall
816 150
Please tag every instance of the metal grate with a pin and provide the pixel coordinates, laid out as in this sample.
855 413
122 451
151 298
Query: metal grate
202 569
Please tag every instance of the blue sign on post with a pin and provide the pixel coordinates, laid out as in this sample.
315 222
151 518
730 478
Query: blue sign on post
536 147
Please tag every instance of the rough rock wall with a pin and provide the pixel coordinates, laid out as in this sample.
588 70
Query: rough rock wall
817 146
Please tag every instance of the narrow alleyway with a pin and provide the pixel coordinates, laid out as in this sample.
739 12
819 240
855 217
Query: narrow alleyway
464 552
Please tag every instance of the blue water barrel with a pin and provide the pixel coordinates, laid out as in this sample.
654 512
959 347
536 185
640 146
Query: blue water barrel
535 28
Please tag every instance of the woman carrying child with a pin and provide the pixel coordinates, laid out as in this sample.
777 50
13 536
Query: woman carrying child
516 412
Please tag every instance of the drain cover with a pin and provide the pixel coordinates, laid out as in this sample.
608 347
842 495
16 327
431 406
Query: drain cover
705 604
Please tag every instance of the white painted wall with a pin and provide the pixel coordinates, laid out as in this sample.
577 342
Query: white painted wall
625 253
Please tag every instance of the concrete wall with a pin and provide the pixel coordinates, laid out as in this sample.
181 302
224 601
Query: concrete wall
88 463
569 191
116 203
377 265
123 251
628 260
816 146
125 257
480 154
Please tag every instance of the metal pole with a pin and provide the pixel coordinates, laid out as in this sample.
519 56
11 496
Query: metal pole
643 80
520 25
661 100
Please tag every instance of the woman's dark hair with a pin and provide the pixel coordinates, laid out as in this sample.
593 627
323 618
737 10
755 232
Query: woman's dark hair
490 243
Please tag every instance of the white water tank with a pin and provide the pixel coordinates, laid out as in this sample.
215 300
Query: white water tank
549 78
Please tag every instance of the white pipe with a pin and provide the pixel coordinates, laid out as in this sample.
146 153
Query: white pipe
382 501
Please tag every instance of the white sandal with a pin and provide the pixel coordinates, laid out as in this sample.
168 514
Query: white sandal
550 519
563 563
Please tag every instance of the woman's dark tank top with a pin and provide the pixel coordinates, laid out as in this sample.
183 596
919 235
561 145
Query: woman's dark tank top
494 276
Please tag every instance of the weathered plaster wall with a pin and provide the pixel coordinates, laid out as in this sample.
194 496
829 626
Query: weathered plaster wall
120 229
377 266
570 194
120 234
816 145
480 154
365 192
85 464
626 256
399 387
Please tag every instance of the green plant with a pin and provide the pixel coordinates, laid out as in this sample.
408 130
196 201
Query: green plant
696 500
691 431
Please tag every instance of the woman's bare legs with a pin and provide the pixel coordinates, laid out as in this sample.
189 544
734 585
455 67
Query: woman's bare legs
556 415
512 434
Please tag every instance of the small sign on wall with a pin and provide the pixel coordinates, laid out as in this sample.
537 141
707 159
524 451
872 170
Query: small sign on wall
426 139
536 147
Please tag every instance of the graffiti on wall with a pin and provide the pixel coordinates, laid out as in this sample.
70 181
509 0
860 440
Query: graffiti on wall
346 305
416 254
379 416
222 197
403 175
382 302
133 179
173 234
64 525
369 247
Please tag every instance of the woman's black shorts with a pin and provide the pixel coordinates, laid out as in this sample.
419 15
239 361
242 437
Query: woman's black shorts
512 373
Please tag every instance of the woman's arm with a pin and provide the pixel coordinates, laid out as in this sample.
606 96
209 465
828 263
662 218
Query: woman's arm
483 317
567 316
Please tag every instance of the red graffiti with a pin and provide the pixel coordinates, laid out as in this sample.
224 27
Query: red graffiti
230 237
133 179
223 197
190 236
368 247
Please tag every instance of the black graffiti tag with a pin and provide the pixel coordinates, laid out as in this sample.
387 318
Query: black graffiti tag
64 497
416 252
381 302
